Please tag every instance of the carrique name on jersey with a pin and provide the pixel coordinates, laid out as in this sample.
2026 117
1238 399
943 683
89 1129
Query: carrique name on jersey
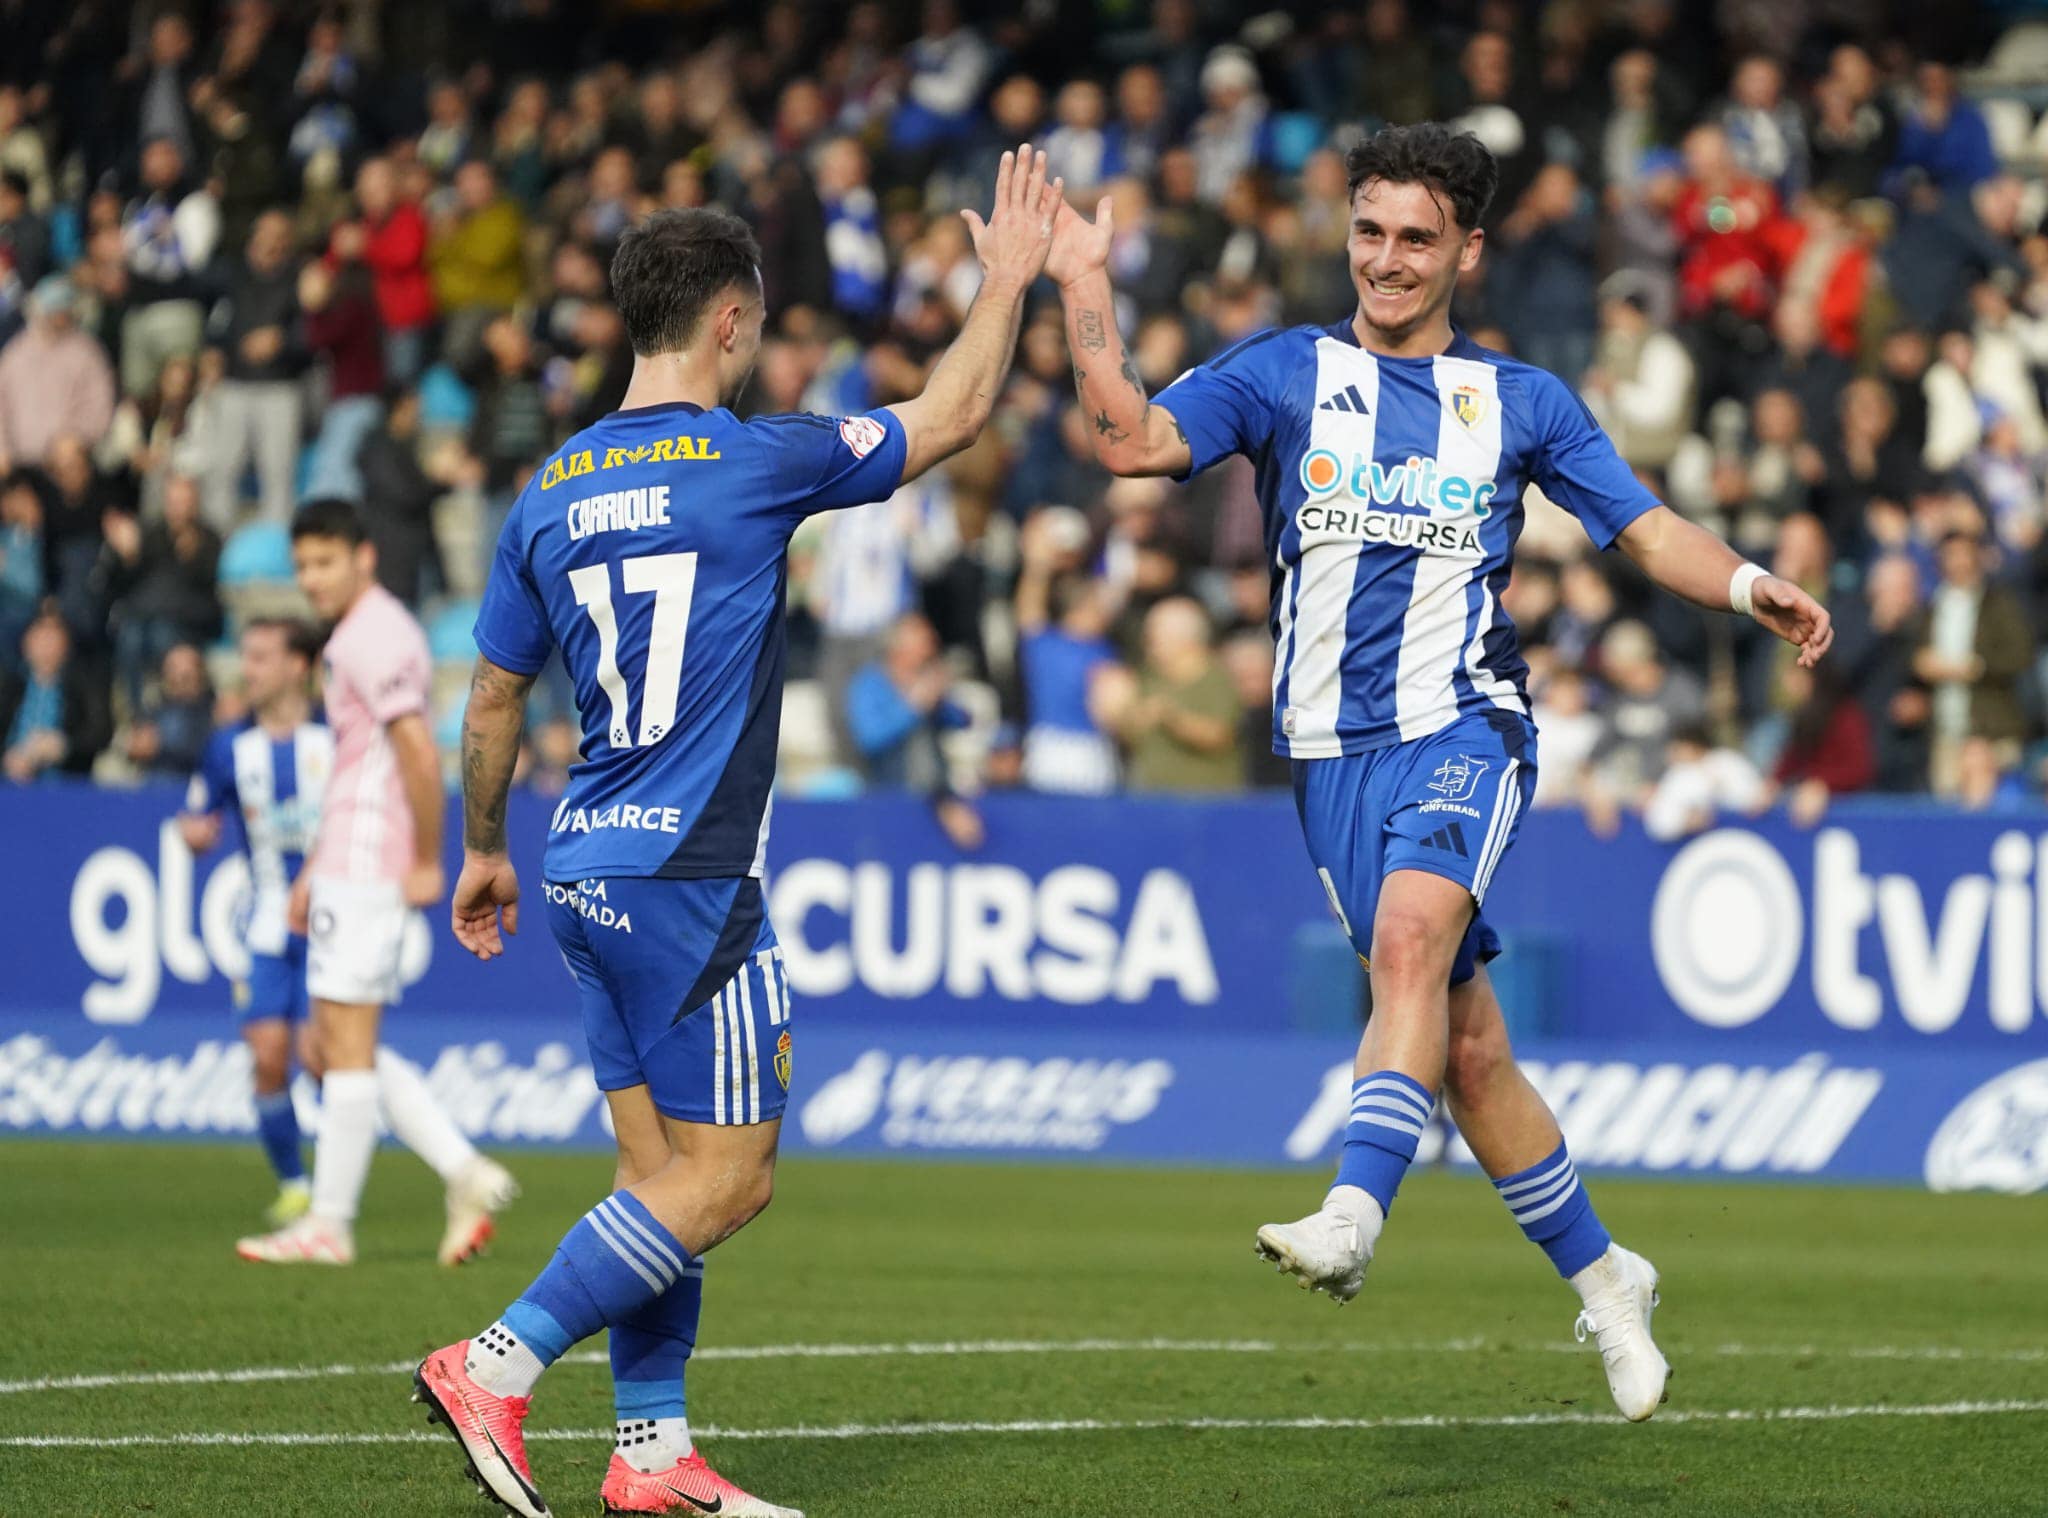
669 450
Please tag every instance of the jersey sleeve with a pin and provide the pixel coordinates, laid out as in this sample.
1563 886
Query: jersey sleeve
512 622
822 463
1227 405
1577 466
212 787
390 672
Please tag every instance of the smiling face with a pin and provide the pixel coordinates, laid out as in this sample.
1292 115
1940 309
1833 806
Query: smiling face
1406 251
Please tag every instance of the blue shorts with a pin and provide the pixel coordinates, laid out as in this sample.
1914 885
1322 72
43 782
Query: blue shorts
1449 804
276 986
681 988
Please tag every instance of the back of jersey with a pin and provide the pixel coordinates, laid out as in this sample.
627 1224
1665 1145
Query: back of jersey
651 550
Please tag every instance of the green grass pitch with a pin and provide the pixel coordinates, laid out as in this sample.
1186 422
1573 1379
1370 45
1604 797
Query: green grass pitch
1911 1331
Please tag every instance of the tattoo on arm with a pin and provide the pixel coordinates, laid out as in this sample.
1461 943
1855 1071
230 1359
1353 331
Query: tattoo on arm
490 750
1091 336
1130 372
1178 430
1109 429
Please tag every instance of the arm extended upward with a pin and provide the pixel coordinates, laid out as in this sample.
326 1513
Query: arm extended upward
960 394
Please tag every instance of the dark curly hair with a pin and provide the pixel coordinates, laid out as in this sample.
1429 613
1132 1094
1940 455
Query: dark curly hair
670 268
1455 165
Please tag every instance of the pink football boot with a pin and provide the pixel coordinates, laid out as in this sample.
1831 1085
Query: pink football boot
485 1424
688 1486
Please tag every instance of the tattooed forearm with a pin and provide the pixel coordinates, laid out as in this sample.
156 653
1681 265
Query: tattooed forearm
1089 332
1178 430
490 750
1108 428
1130 372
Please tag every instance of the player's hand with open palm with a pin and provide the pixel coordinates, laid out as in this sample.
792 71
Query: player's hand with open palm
1013 242
487 886
1080 247
1794 616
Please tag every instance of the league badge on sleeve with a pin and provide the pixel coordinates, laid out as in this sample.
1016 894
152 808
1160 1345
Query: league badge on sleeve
863 434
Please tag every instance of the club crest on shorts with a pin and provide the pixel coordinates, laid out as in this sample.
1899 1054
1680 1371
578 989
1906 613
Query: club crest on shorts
782 1048
1457 778
1468 404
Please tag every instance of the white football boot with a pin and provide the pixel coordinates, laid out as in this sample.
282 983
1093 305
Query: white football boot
312 1240
1329 1249
475 1197
1620 1292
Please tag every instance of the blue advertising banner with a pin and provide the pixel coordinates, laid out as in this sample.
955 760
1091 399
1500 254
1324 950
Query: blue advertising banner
1154 981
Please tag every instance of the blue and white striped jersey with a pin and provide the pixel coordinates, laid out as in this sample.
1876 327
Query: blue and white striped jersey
270 789
1392 494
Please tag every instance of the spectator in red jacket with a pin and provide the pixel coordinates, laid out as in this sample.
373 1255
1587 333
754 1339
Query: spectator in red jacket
1727 275
393 233
341 327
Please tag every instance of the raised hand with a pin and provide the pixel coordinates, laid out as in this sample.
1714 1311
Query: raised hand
1013 242
1794 616
1080 247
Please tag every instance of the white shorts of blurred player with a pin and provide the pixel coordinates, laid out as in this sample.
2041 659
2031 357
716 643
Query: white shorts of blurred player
355 941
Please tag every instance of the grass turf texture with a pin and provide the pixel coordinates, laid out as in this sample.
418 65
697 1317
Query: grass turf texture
115 1259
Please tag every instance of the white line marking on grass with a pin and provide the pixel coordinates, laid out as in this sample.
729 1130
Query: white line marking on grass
1821 1414
969 1347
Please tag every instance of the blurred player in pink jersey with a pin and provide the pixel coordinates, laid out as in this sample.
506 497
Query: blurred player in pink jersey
376 857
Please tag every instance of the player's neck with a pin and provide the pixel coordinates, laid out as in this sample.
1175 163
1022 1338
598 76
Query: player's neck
1426 339
284 716
667 378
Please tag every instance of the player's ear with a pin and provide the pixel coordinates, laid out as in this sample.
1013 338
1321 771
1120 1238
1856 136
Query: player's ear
1469 254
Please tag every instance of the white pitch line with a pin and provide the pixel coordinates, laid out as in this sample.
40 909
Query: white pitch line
1821 1414
969 1347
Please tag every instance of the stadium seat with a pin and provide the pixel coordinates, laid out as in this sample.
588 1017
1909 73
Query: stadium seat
257 551
446 404
2011 123
448 633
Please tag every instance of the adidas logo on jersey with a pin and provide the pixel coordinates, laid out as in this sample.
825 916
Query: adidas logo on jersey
1347 399
1450 838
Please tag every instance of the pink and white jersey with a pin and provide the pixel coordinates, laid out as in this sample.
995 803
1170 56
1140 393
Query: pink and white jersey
378 670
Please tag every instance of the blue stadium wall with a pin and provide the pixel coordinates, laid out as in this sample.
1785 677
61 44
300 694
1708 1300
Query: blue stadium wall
1149 980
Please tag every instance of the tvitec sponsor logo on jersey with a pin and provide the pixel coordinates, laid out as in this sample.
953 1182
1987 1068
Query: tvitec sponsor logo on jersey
1730 924
973 1101
1408 505
1790 1119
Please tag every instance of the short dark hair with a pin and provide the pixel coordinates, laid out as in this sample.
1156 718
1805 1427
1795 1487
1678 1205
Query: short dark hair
669 269
300 637
1455 165
329 517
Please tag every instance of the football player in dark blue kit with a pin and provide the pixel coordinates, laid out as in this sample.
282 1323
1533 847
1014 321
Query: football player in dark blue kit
651 549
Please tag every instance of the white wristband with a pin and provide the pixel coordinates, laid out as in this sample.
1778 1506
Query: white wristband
1739 586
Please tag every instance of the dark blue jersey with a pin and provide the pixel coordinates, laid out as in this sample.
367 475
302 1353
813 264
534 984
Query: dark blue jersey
651 550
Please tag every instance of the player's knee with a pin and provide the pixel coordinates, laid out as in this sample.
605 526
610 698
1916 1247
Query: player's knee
1474 1065
269 1071
751 1196
1407 944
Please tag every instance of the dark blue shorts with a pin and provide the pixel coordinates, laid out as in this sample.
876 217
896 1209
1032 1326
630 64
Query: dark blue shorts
681 988
276 986
1449 804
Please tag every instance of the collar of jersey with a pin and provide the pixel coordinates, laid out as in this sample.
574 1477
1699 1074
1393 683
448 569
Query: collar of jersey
1461 345
657 409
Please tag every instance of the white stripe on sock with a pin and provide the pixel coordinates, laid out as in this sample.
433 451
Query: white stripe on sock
1389 1122
1520 1207
1512 1189
619 1212
639 1267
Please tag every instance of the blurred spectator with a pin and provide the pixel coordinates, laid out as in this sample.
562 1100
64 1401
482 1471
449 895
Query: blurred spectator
1829 749
898 705
24 248
2007 478
1571 731
1870 461
398 499
1648 701
169 233
1727 224
1641 384
156 101
1393 74
509 432
853 229
948 64
390 237
168 736
477 257
1855 131
23 152
21 562
54 380
1142 130
76 509
1765 130
1988 781
1546 258
1234 133
52 715
1062 643
162 578
256 324
1701 780
1179 715
340 309
1944 135
449 136
1487 107
1806 368
1875 649
1247 658
1974 647
1078 148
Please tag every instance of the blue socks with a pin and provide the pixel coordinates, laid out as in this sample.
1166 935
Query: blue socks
277 1124
1555 1212
607 1269
1389 1110
650 1349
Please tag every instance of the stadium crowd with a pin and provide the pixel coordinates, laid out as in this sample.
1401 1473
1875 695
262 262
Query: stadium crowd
1790 256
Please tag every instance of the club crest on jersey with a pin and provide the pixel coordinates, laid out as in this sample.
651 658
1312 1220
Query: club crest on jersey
1457 778
782 1048
1468 404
